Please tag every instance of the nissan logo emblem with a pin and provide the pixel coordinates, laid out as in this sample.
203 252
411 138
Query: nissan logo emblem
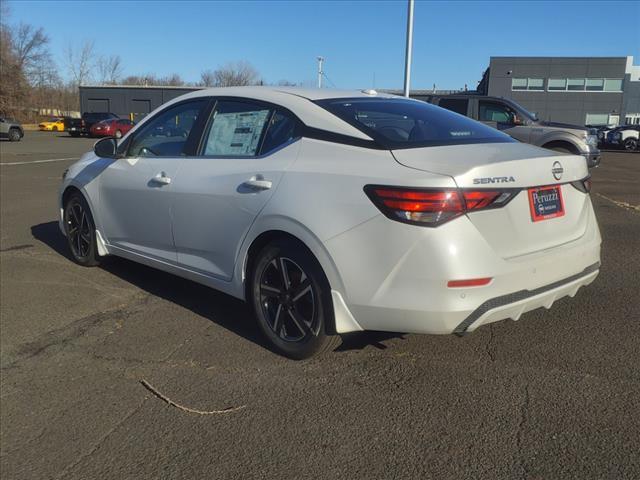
557 170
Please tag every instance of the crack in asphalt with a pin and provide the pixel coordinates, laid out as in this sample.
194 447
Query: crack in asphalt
488 346
17 247
621 204
67 334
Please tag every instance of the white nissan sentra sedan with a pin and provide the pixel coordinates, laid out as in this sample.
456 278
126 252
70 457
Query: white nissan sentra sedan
338 211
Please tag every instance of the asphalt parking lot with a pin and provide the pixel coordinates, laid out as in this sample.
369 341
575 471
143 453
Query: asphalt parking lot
554 395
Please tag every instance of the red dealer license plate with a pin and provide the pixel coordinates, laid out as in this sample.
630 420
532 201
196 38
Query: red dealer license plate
546 203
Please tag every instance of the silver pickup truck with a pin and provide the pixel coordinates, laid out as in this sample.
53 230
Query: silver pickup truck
515 120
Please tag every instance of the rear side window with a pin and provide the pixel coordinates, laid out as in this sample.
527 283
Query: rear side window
236 129
458 105
398 123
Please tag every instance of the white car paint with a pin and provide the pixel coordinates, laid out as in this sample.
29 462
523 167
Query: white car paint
384 275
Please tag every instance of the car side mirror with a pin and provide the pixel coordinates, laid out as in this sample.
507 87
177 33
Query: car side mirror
106 148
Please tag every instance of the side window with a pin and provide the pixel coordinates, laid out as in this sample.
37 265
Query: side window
282 128
458 105
494 112
236 129
166 134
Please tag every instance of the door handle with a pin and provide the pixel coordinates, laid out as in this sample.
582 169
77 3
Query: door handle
257 182
162 179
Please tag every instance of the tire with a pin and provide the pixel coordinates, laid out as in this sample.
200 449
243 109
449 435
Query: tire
14 135
561 150
81 231
118 134
294 309
54 129
630 144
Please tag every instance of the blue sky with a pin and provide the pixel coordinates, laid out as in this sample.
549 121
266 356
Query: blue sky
361 39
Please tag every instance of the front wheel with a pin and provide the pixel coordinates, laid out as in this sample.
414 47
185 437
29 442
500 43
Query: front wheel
14 135
291 299
81 231
631 144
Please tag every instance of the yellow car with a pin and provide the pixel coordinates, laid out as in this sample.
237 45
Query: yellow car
55 124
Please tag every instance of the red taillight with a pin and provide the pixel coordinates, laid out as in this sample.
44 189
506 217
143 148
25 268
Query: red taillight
472 282
431 207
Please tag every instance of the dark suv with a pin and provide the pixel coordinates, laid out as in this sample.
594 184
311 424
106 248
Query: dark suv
82 126
513 119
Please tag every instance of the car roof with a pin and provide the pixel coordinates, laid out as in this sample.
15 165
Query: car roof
298 100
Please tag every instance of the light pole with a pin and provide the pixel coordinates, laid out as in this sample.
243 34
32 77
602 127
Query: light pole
320 72
407 58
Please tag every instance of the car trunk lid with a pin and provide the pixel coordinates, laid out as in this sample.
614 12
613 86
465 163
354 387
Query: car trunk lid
516 228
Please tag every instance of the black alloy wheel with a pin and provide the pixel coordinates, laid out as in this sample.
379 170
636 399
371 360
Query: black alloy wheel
630 144
80 230
288 300
291 299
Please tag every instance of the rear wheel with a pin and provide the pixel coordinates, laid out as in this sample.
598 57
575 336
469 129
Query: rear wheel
14 135
291 299
561 150
55 129
81 231
630 144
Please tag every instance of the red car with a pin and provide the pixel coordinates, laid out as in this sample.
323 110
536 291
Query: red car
113 127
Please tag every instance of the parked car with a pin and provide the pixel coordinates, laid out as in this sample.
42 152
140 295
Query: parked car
54 124
513 119
602 133
82 126
114 127
338 211
624 137
11 129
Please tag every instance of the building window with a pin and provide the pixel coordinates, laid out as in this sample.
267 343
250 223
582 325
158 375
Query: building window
584 84
575 84
519 84
595 84
556 84
597 119
535 84
613 85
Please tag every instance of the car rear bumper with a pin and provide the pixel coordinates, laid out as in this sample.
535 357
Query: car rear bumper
395 276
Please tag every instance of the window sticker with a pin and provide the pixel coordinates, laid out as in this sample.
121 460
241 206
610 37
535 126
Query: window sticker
236 133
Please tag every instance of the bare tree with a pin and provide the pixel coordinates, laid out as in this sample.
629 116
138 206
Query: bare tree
80 62
207 78
235 74
286 83
30 46
110 69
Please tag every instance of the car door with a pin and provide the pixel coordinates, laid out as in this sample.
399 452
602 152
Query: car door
504 118
246 147
136 192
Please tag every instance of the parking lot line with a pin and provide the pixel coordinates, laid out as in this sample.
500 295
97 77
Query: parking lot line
38 161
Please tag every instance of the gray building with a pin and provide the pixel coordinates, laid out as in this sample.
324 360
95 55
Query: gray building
577 90
132 102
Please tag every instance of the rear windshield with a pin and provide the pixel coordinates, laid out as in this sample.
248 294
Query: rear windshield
399 123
